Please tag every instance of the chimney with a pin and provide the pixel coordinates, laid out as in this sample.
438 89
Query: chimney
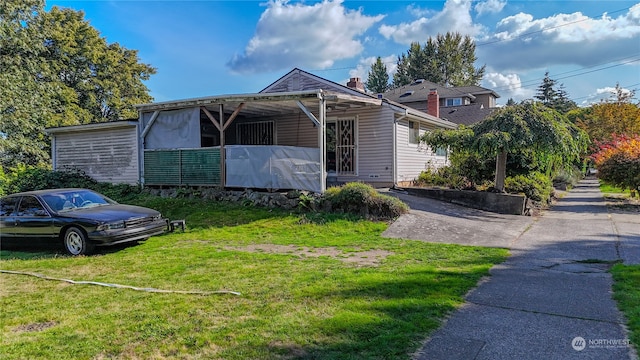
356 83
433 103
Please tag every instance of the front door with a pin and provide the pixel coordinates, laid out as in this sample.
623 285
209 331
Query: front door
341 146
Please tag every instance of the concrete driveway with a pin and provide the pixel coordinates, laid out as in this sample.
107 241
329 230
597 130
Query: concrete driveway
438 221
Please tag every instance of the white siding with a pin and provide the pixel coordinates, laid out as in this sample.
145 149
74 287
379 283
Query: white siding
296 130
414 158
375 147
106 155
374 152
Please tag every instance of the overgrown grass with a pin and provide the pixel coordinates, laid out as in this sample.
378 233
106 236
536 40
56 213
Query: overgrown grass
610 189
292 306
619 199
626 291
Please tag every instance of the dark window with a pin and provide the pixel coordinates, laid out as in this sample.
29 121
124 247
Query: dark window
257 133
414 132
8 206
30 206
441 151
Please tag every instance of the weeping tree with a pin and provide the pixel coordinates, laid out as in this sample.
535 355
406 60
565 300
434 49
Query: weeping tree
540 133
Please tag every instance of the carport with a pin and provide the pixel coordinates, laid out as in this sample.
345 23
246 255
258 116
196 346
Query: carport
263 140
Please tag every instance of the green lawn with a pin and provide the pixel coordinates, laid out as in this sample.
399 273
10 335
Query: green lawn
312 287
626 291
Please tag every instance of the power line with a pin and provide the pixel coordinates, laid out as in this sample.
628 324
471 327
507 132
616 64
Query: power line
499 40
533 33
547 28
580 71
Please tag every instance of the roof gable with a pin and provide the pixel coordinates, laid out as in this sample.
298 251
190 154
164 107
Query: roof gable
300 80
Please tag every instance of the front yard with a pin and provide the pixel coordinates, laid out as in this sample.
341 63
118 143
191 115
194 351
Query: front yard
312 286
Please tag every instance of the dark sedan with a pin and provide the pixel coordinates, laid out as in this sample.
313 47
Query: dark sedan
79 219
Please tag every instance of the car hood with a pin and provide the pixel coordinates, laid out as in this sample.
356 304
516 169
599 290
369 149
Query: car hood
110 213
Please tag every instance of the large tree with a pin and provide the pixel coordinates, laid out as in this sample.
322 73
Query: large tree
553 95
58 70
24 96
378 79
448 60
607 118
528 129
96 81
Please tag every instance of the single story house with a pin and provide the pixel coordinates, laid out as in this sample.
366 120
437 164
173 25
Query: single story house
301 132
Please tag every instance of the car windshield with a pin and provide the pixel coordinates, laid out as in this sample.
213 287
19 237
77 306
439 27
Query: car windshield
67 200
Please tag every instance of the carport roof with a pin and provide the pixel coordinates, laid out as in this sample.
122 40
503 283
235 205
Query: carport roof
266 104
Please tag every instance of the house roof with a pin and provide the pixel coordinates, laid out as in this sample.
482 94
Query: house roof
265 104
419 90
297 79
285 96
93 127
465 114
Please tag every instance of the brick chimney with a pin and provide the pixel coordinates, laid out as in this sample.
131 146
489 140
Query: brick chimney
356 83
433 103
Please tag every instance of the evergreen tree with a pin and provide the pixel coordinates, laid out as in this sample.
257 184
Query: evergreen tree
378 80
554 96
447 60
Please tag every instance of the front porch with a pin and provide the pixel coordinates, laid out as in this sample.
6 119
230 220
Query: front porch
265 141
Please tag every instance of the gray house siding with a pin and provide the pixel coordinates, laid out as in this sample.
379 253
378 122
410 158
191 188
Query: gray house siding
413 158
107 155
374 148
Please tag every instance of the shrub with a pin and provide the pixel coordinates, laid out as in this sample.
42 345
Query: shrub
535 185
568 177
364 200
446 176
618 161
32 178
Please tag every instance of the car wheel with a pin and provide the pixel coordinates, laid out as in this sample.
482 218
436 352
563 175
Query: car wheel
75 242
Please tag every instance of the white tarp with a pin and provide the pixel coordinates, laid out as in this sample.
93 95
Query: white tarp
175 129
273 167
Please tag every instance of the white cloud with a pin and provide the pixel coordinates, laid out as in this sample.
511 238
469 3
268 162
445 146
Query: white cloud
604 94
507 86
524 42
297 35
364 65
454 17
489 6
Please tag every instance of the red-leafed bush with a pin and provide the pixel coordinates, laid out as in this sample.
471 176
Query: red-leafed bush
618 161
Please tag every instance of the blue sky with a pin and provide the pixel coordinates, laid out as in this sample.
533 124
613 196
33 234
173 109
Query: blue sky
206 47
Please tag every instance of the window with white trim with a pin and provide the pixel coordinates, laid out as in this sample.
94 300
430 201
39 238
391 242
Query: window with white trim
454 102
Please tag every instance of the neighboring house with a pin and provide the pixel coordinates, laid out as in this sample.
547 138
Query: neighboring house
464 105
301 132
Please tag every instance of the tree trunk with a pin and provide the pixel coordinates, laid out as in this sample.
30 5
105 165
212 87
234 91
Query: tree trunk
501 170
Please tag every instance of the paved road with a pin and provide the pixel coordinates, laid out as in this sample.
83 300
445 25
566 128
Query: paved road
553 291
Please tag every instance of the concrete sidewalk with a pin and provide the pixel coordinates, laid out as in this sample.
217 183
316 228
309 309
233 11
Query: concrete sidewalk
552 298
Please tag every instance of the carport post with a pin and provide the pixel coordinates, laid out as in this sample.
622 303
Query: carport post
223 166
322 138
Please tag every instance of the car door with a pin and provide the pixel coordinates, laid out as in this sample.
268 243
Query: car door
33 222
8 209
